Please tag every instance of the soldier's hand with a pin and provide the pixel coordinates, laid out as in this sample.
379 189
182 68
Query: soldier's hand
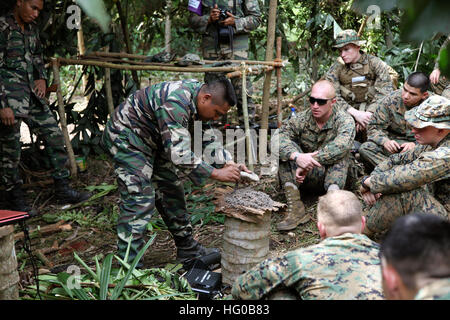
306 161
369 198
230 21
392 146
407 146
363 118
300 175
214 14
7 116
228 173
434 76
40 87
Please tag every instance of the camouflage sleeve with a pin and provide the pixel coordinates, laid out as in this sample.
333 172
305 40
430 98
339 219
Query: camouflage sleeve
270 274
199 23
429 167
376 129
444 45
213 147
290 132
333 76
251 19
173 122
38 58
383 84
341 145
397 159
3 101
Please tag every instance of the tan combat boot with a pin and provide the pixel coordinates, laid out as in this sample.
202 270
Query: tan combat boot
295 212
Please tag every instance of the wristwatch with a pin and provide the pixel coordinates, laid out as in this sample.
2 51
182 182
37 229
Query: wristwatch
363 183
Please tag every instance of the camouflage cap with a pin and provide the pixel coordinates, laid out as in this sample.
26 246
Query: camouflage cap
434 111
189 59
348 36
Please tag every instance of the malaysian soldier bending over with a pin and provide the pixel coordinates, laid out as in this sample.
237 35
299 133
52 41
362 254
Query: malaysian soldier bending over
343 266
416 180
225 37
22 98
388 132
314 151
415 258
148 137
359 78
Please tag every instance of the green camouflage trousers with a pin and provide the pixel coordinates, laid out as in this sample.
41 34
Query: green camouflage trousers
41 122
374 154
392 206
318 179
145 182
442 87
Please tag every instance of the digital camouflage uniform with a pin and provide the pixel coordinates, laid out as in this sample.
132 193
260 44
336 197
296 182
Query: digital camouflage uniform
248 18
443 86
417 180
388 123
436 290
21 62
333 141
147 136
359 85
345 267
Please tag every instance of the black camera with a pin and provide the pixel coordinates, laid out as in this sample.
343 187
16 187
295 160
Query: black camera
223 14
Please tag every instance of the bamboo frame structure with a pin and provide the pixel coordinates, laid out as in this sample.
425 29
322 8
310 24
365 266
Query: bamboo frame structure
103 59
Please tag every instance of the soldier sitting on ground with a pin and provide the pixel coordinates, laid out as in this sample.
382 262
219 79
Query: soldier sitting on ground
149 139
415 258
388 132
343 266
314 151
417 179
360 79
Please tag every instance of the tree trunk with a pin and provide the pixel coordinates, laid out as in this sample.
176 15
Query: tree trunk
81 52
168 27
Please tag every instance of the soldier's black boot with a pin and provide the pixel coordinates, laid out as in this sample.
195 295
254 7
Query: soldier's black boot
65 194
188 249
15 201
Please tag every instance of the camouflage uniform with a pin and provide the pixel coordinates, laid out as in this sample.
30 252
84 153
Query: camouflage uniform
359 85
415 180
248 18
145 136
344 267
21 62
333 141
443 86
388 123
436 290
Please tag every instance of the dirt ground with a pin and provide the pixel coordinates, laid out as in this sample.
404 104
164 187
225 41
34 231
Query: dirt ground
90 230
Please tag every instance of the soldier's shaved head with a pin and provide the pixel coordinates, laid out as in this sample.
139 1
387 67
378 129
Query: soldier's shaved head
325 85
340 211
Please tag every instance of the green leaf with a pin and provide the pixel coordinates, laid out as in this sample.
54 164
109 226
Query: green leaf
104 276
89 270
118 289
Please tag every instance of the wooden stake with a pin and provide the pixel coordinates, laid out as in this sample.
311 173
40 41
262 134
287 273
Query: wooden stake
108 89
245 114
279 113
62 118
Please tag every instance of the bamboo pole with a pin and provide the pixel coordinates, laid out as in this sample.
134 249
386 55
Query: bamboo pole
108 90
267 80
279 113
62 118
67 61
142 57
245 114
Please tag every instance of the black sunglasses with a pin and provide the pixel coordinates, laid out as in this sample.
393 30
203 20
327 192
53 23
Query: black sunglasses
320 102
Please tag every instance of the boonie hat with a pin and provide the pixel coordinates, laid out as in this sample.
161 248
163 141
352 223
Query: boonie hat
434 111
348 36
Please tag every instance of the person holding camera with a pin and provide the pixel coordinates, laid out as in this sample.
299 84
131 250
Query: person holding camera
225 27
